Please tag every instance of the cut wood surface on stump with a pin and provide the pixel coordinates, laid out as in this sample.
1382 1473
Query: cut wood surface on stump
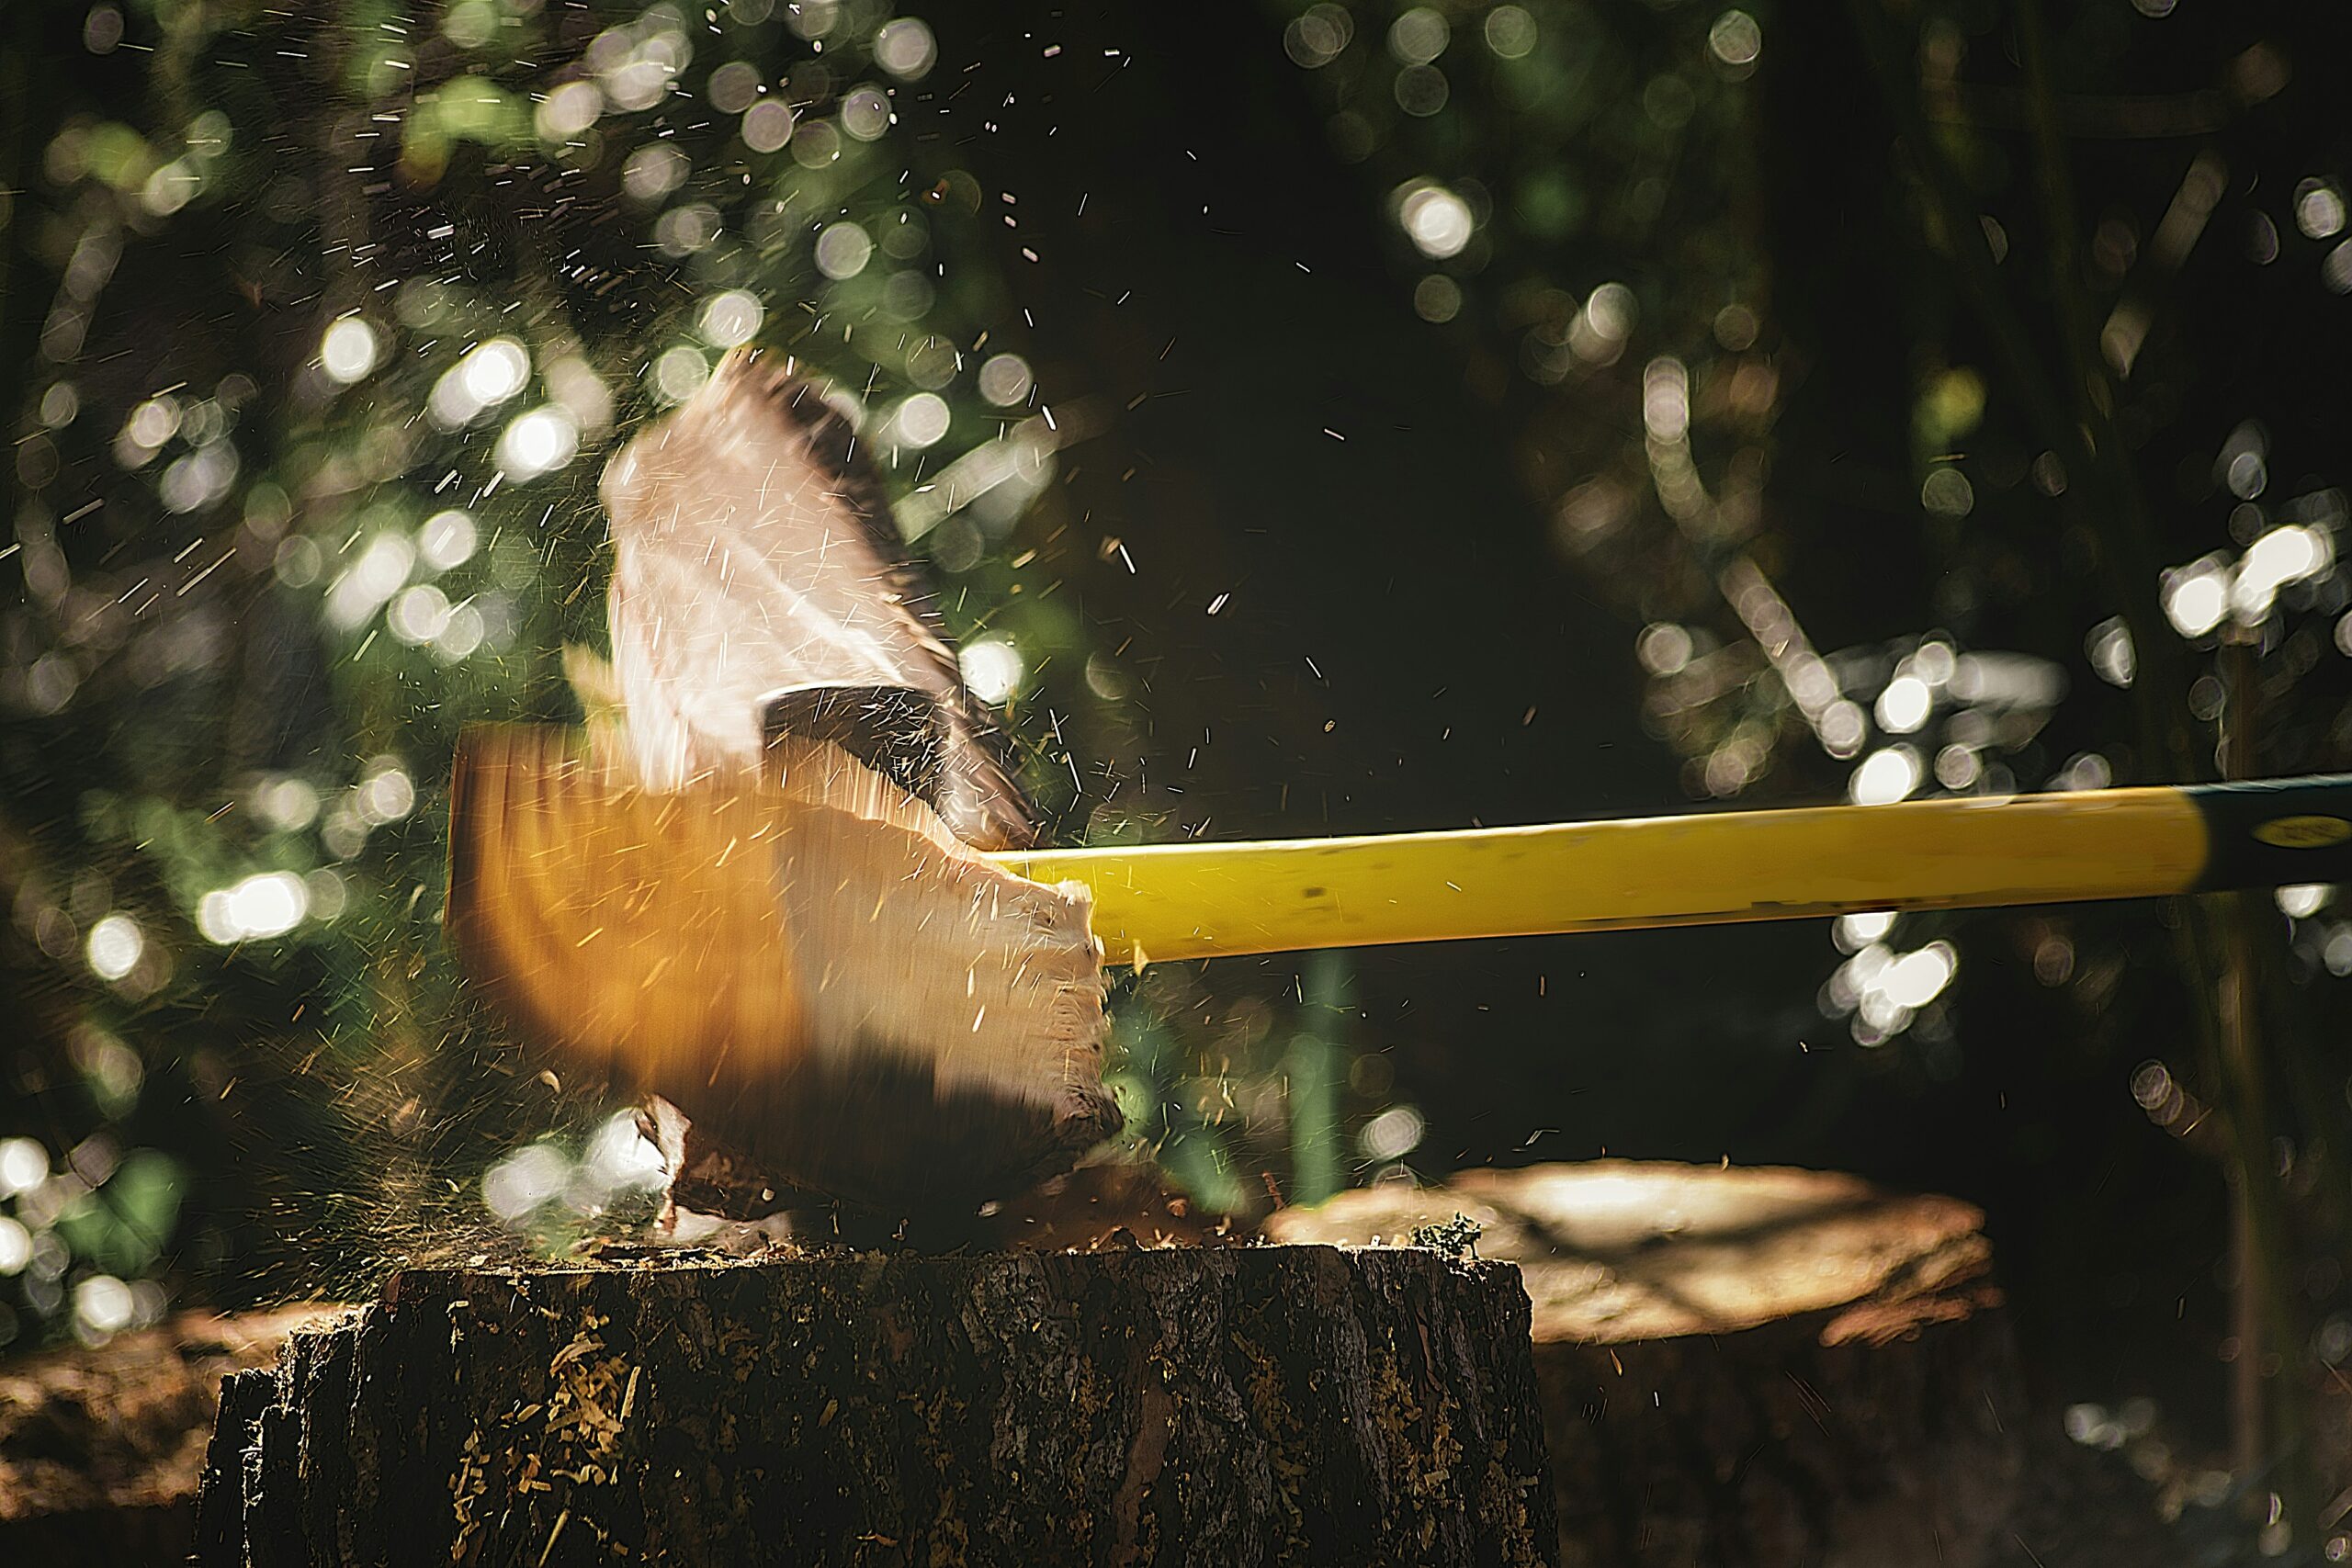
1745 1368
1179 1404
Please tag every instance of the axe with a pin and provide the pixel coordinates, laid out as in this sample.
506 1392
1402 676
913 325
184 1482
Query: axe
784 886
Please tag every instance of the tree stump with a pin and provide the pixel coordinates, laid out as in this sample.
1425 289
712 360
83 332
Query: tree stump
1179 1404
1745 1368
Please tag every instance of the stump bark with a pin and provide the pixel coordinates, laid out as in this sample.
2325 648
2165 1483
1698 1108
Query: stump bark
1745 1368
1180 1404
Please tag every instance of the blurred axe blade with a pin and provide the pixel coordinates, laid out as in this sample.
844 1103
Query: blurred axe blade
753 890
820 977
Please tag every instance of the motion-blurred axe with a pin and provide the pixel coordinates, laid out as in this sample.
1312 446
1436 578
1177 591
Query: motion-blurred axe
790 889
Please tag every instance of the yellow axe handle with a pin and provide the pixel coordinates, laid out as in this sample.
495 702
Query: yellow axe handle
1206 900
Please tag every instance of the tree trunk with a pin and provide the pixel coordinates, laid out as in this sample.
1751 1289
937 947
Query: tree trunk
1745 1368
1231 1405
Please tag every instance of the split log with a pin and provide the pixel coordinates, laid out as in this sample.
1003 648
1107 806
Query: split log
100 1447
1179 1404
1745 1368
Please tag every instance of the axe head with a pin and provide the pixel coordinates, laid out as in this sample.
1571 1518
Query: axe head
895 730
830 986
751 889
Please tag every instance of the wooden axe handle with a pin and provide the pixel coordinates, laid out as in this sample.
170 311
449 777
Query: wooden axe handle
1206 900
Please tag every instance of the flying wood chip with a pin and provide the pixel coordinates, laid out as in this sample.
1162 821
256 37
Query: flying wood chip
757 895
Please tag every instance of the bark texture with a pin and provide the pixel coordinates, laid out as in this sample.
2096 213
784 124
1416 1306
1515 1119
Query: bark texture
1747 1368
1182 1404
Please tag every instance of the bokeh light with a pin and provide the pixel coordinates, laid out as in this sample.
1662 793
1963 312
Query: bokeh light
569 110
1319 35
842 250
1437 221
905 49
921 421
992 668
1005 379
1510 32
655 171
1393 1134
268 905
865 114
1736 38
24 1165
2304 899
446 540
2319 209
767 127
524 1180
486 376
731 318
349 351
1888 775
679 373
114 946
539 442
1903 706
1418 34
